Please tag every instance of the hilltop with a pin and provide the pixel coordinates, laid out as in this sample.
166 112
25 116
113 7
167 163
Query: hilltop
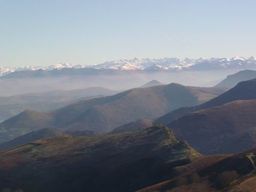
113 162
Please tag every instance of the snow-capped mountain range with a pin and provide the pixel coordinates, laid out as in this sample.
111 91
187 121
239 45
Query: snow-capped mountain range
163 64
179 64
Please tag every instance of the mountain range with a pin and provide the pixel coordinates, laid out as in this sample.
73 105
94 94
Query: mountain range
224 124
153 138
242 91
146 64
221 119
47 101
106 113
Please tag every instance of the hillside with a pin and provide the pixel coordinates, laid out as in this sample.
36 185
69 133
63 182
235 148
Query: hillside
245 90
32 137
228 128
242 91
47 101
232 173
24 123
112 162
106 113
234 79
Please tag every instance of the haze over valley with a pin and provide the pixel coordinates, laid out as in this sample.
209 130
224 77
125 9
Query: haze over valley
125 96
116 74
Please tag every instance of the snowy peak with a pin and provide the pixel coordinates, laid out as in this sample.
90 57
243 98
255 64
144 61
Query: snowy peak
146 64
176 64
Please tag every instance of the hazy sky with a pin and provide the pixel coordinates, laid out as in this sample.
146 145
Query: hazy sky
45 32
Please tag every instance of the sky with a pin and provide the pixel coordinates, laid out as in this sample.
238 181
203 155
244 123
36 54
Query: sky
47 32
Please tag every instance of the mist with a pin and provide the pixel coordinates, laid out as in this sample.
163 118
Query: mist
118 81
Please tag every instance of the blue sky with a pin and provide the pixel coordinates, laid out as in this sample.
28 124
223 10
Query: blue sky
45 32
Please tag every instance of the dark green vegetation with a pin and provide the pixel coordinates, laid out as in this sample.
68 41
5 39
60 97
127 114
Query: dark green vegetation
106 113
111 162
230 173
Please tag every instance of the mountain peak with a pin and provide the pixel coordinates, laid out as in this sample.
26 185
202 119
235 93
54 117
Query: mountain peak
147 64
234 79
152 83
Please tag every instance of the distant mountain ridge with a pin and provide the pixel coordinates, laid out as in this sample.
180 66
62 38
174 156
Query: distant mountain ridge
234 79
47 101
245 90
106 113
146 64
152 84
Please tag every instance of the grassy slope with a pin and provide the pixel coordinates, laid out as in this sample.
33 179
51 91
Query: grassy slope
227 128
233 173
113 162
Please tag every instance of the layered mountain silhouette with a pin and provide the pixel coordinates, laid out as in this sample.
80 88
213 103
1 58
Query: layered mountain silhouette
47 101
24 123
234 79
106 113
225 124
111 162
132 65
111 143
243 91
227 128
